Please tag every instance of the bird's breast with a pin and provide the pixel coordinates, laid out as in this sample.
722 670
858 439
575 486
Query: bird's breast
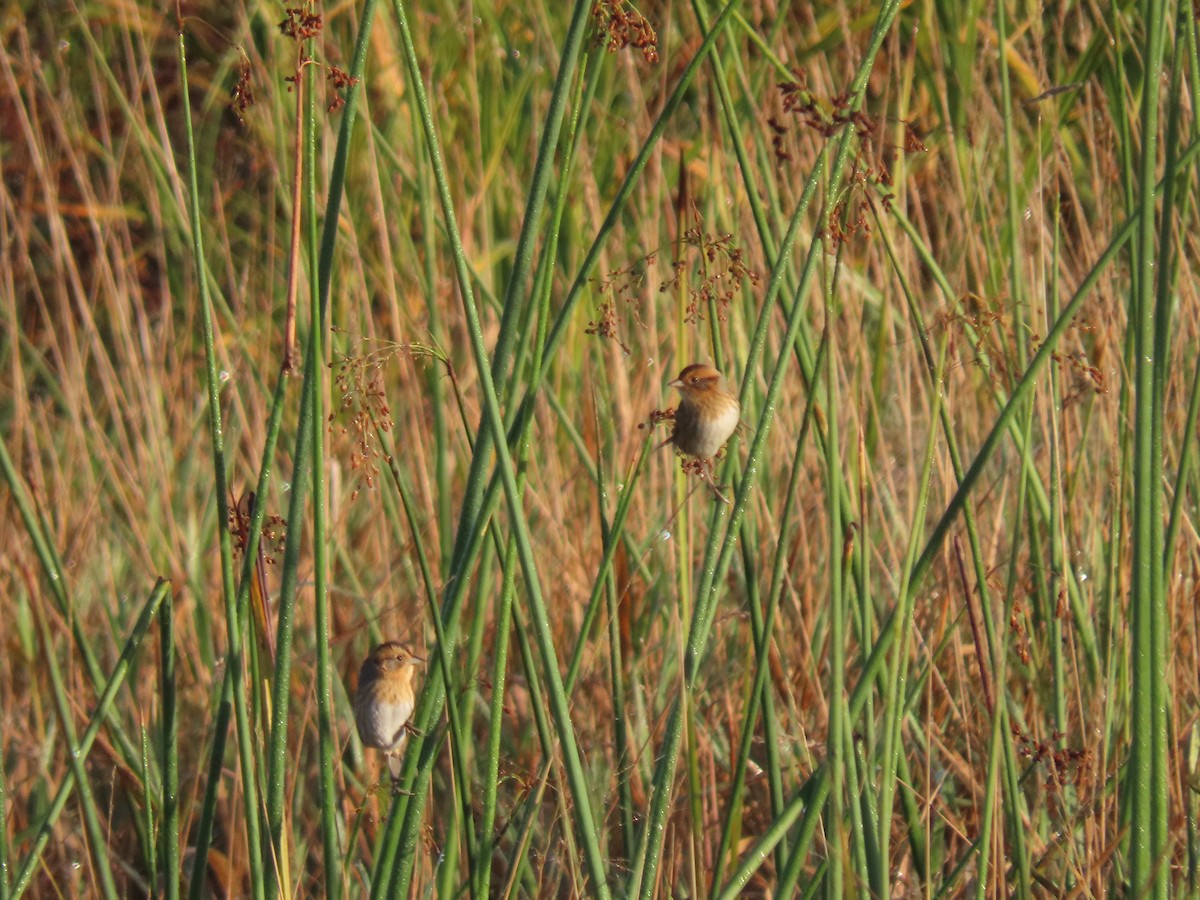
381 722
701 429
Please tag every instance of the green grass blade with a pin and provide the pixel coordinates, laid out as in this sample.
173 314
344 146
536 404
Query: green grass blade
81 750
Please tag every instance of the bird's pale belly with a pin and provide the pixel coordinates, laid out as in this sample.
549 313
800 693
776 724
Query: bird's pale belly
382 725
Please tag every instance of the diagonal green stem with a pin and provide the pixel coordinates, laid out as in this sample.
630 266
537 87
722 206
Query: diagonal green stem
84 747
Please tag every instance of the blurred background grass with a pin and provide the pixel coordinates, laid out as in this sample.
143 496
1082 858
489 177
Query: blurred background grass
997 155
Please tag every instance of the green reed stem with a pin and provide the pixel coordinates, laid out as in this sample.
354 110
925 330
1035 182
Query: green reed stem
651 847
487 821
458 729
169 727
234 659
577 780
1148 797
476 511
835 746
763 639
79 751
543 169
277 747
326 738
76 756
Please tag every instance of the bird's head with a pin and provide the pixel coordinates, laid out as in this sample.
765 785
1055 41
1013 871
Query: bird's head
392 656
697 380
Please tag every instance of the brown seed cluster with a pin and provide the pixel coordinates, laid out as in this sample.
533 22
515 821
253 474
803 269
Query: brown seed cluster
299 24
1087 380
1065 766
657 417
712 267
624 284
618 26
364 407
870 180
241 97
274 532
605 324
718 268
339 81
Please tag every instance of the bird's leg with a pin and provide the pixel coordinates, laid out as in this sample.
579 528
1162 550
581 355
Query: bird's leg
706 475
398 791
702 469
394 762
413 729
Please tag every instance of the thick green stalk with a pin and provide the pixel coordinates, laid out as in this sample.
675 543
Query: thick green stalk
76 756
319 327
477 510
277 749
543 168
326 739
618 688
169 727
274 852
234 653
1148 789
487 822
572 761
834 744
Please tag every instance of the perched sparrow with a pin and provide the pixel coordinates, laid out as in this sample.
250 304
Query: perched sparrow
385 699
707 414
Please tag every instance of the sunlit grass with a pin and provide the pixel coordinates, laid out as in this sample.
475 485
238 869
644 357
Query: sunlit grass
942 637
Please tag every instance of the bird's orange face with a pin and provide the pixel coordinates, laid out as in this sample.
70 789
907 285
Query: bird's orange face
697 380
392 656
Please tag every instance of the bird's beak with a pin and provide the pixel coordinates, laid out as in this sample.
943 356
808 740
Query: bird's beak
417 660
677 383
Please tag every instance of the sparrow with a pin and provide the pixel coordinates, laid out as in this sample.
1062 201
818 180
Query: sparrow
707 414
385 699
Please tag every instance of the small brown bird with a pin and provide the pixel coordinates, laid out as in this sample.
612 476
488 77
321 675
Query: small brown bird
707 415
385 699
